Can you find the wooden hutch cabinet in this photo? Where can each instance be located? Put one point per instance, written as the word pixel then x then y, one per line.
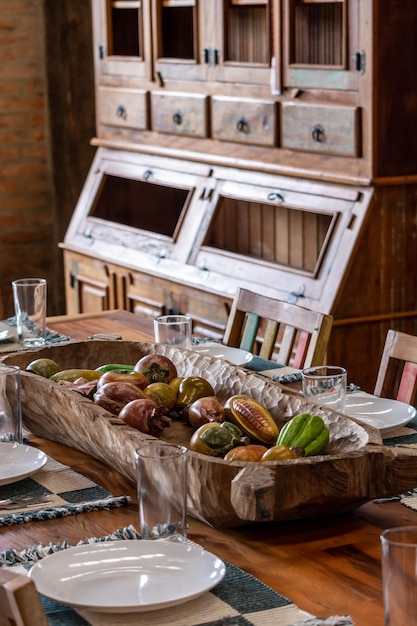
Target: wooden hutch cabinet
pixel 268 144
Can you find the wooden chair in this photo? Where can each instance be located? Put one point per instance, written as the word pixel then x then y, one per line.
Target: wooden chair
pixel 397 374
pixel 20 604
pixel 292 335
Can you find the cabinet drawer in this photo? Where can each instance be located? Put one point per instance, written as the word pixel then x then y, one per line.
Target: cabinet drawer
pixel 327 129
pixel 125 108
pixel 181 114
pixel 245 121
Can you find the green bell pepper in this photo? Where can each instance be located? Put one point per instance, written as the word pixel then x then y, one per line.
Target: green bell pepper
pixel 306 432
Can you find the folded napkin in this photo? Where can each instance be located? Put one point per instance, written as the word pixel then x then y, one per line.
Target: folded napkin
pixel 285 376
pixel 238 599
pixel 66 492
pixel 274 371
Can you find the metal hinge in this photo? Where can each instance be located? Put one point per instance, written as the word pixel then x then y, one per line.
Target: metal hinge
pixel 211 56
pixel 360 61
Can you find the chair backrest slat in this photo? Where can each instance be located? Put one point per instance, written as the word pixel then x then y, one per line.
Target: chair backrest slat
pixel 286 344
pixel 397 374
pixel 289 333
pixel 408 385
pixel 269 339
pixel 302 349
pixel 249 332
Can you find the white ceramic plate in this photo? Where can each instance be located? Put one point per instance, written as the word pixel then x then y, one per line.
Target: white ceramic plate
pixel 128 575
pixel 237 356
pixel 18 461
pixel 382 413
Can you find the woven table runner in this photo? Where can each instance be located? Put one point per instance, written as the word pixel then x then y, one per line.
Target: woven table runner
pixel 259 365
pixel 405 436
pixel 12 345
pixel 238 600
pixel 62 492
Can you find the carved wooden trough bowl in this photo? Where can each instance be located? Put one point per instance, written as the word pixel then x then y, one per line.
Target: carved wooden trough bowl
pixel 356 467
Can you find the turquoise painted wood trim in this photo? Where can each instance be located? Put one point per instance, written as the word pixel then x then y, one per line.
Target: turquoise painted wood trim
pixel 249 332
pixel 322 79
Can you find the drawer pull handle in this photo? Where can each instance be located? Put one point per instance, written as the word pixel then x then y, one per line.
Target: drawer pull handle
pixel 276 196
pixel 318 133
pixel 121 112
pixel 242 125
pixel 177 118
pixel 147 174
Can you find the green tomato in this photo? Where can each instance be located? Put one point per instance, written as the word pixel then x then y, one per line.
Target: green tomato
pixel 192 388
pixel 43 367
pixel 216 439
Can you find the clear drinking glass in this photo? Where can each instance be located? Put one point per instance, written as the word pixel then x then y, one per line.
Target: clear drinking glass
pixel 173 330
pixel 326 385
pixel 10 404
pixel 161 470
pixel 30 308
pixel 399 575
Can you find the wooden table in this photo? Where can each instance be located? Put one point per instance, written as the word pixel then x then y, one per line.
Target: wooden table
pixel 326 566
pixel 118 322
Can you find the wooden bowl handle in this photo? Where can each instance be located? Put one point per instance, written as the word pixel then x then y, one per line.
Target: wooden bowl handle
pixel 252 493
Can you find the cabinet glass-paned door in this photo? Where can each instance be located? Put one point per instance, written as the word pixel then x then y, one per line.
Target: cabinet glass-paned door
pixel 319 34
pixel 247 37
pixel 126 29
pixel 320 43
pixel 245 50
pixel 179 30
pixel 122 35
pixel 214 40
pixel 178 18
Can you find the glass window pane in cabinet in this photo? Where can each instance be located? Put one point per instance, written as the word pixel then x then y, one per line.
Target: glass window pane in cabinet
pixel 125 32
pixel 274 234
pixel 247 33
pixel 177 29
pixel 319 34
pixel 143 205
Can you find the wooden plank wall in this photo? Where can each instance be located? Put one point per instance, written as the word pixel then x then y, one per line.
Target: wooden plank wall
pixel 380 290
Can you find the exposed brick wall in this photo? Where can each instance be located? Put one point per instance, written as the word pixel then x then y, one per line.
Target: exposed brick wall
pixel 26 201
pixel 38 94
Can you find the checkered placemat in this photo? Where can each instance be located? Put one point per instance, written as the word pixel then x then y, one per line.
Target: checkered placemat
pixel 405 435
pixel 63 492
pixel 238 600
